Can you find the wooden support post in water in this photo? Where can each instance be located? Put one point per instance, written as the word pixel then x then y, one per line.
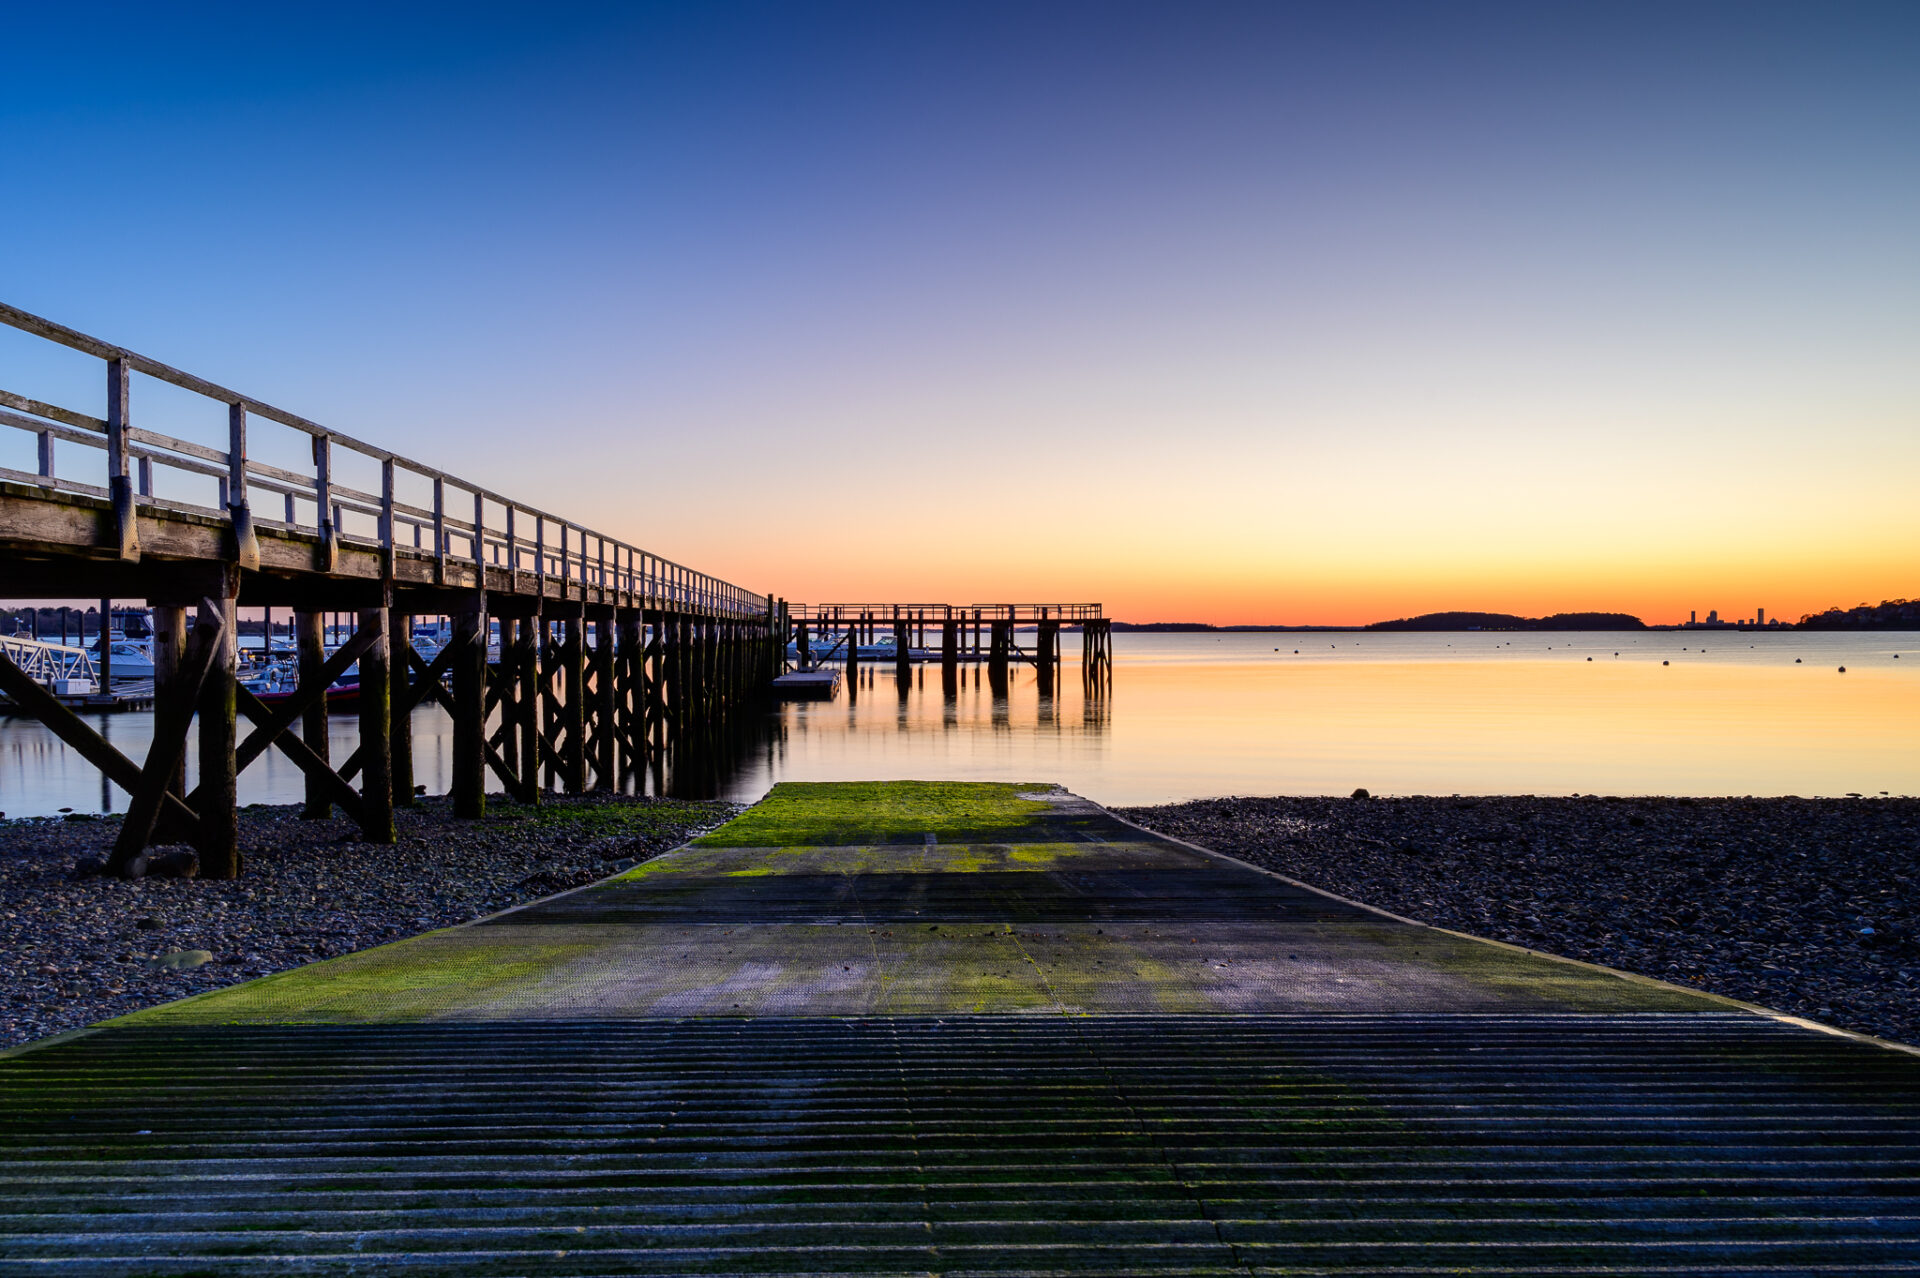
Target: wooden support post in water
pixel 169 647
pixel 1047 654
pixel 902 650
pixel 605 710
pixel 469 787
pixel 310 638
pixel 949 656
pixel 573 710
pixel 400 626
pixel 376 726
pixel 630 703
pixel 219 809
pixel 173 713
pixel 503 685
pixel 1001 639
pixel 527 665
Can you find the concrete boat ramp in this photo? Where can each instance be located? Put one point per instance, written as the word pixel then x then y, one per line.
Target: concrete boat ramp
pixel 952 1029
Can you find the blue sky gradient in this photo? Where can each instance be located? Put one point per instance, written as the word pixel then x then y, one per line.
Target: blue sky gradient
pixel 1244 312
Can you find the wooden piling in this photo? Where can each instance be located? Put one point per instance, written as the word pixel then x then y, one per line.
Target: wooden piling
pixel 169 647
pixel 219 808
pixel 603 711
pixel 629 667
pixel 528 668
pixel 376 726
pixel 469 782
pixel 310 641
pixel 573 707
pixel 400 727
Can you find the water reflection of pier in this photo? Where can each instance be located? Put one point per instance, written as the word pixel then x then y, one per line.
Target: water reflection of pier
pixel 916 726
pixel 969 635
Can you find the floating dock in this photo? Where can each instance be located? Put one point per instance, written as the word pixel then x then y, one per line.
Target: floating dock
pixel 954 1029
pixel 807 685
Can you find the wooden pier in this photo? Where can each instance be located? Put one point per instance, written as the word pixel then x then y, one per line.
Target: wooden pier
pixel 967 633
pixel 615 661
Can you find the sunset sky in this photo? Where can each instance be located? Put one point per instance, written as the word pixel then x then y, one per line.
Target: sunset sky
pixel 1236 313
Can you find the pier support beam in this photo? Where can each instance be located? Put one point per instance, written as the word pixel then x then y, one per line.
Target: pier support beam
pixel 310 642
pixel 527 671
pixel 376 727
pixel 573 704
pixel 1047 654
pixel 169 647
pixel 630 695
pixel 469 788
pixel 219 808
pixel 400 729
pixel 605 708
pixel 1000 651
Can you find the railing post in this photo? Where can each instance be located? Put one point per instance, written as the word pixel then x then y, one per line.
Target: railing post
pixel 246 546
pixel 46 455
pixel 513 554
pixel 323 501
pixel 387 526
pixel 440 531
pixel 119 487
pixel 540 555
pixel 479 542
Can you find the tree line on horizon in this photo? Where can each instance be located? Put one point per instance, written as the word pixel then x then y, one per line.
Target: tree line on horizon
pixel 1889 614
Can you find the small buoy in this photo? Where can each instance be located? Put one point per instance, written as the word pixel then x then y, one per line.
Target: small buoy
pixel 1843 669
pixel 1796 661
pixel 1663 663
pixel 1589 658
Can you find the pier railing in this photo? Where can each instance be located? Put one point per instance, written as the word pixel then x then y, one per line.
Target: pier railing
pixel 462 521
pixel 1020 613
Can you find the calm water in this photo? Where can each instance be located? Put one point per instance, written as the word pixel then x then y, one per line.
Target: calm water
pixel 1198 715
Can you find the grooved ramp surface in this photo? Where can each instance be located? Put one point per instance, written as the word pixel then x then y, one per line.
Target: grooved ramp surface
pixel 559 1090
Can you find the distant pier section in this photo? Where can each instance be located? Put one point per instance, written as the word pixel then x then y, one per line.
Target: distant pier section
pixel 900 634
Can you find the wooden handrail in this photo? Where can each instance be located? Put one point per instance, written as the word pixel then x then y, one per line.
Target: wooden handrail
pixel 583 558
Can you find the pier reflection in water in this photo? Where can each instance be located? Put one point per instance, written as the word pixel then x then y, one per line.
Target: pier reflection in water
pixel 1198 715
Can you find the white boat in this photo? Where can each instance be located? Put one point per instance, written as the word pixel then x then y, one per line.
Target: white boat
pixel 130 659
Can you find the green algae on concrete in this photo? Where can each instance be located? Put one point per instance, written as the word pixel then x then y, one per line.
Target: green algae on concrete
pixel 1115 922
pixel 845 813
pixel 417 979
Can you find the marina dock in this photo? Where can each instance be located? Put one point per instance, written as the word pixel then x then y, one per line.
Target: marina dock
pixel 917 1028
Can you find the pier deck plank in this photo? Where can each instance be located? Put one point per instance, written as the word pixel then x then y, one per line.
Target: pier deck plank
pixel 907 1028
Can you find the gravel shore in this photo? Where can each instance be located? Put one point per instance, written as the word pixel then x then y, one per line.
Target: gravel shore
pixel 1807 906
pixel 76 951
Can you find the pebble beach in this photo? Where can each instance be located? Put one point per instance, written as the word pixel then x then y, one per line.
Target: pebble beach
pixel 1805 906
